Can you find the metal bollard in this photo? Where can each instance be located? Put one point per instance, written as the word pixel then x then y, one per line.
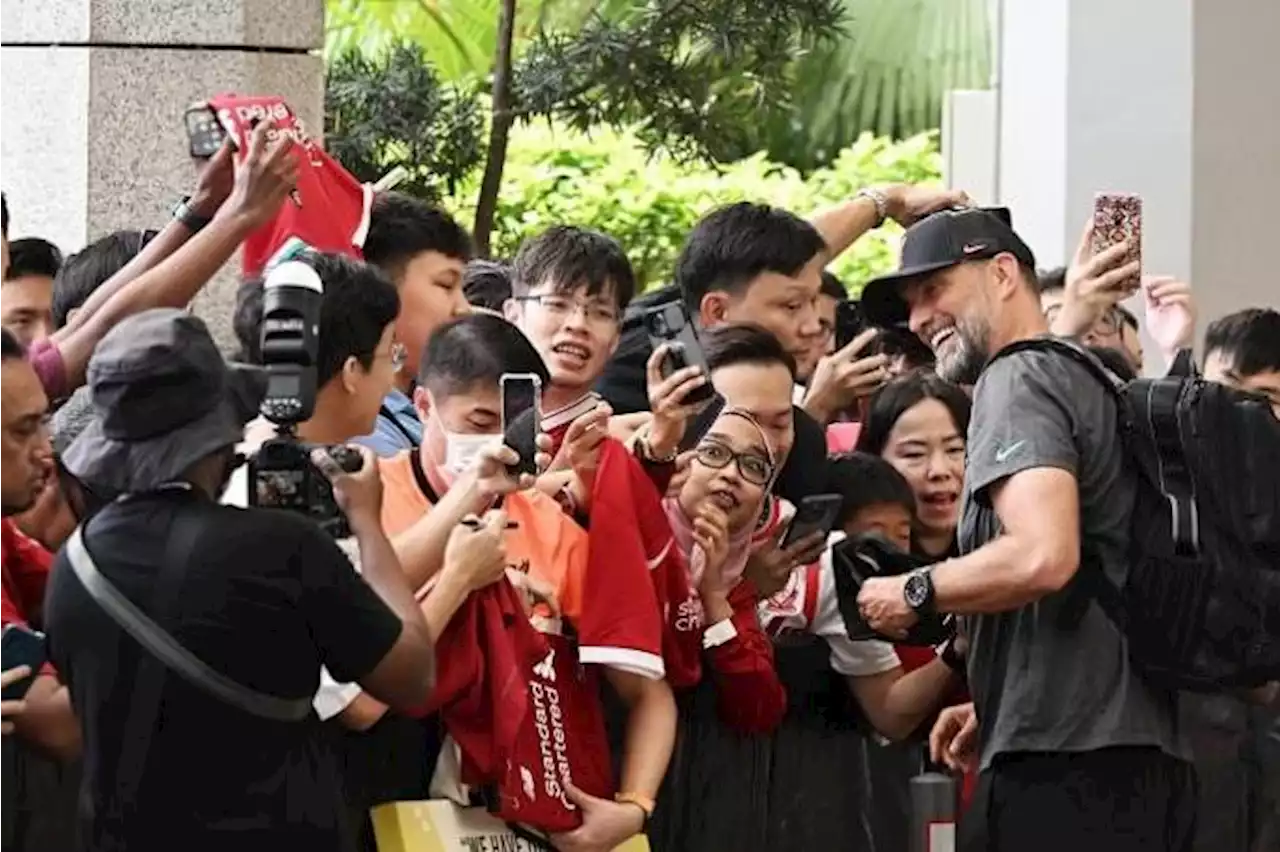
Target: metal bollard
pixel 934 797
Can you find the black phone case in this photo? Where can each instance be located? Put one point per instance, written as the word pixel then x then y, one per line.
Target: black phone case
pixel 20 647
pixel 809 520
pixel 685 352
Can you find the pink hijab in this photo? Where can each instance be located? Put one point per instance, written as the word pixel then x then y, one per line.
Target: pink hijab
pixel 739 541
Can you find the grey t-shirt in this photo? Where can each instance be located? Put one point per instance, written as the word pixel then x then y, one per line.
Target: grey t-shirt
pixel 1041 681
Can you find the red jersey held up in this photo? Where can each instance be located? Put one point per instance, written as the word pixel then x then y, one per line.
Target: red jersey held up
pixel 630 538
pixel 330 211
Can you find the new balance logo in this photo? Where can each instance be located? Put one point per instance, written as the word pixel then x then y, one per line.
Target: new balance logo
pixel 547 668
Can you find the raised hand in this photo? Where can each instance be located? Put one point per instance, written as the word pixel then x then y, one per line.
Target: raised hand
pixel 265 176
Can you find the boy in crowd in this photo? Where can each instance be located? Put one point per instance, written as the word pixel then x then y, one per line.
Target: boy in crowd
pixel 1243 350
pixel 422 250
pixel 487 285
pixel 26 296
pixel 459 470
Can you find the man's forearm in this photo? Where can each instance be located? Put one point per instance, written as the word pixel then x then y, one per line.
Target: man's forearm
pixel 421 547
pixel 49 722
pixel 651 731
pixel 1002 575
pixel 173 284
pixel 841 226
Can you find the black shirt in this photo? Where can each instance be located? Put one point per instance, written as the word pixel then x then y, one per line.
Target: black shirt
pixel 624 386
pixel 266 600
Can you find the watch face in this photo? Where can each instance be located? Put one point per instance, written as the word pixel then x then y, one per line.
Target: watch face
pixel 916 590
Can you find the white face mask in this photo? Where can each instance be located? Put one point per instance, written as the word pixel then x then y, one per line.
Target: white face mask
pixel 462 451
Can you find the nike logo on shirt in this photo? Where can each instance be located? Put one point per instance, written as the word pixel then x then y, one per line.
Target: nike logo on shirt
pixel 1003 453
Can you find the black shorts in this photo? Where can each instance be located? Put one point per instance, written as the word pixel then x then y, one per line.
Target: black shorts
pixel 1123 799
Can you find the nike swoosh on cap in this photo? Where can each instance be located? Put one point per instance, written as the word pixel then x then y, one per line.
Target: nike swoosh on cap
pixel 974 247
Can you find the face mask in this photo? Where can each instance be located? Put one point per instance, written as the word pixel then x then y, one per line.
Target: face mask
pixel 462 451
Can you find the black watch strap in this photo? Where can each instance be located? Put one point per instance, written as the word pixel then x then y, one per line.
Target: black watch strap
pixel 187 215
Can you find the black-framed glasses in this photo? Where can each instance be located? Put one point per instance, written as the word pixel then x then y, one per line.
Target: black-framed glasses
pixel 753 467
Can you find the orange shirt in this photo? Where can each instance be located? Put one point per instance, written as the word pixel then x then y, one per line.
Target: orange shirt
pixel 548 546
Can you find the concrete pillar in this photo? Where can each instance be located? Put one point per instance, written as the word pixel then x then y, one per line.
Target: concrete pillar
pixel 1172 99
pixel 92 96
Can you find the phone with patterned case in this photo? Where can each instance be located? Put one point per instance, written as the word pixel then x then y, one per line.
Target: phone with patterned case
pixel 1117 218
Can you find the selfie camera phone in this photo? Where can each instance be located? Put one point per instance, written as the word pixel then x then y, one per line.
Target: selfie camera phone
pixel 816 513
pixel 670 324
pixel 851 321
pixel 204 134
pixel 21 646
pixel 1117 218
pixel 521 418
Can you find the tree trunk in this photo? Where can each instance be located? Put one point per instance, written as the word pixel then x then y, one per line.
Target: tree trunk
pixel 499 131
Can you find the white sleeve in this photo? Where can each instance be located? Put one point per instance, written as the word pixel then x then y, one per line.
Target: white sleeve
pixel 849 658
pixel 333 697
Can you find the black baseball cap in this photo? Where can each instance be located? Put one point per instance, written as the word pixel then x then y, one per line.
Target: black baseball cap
pixel 936 242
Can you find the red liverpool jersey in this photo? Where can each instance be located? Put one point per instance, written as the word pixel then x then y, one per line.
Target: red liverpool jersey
pixel 330 209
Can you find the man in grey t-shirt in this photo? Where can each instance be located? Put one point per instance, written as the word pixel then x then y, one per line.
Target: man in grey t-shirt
pixel 1076 750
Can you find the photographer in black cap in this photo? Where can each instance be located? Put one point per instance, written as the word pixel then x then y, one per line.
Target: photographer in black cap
pixel 1076 750
pixel 259 599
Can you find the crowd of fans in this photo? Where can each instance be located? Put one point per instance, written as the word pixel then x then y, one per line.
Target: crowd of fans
pixel 709 692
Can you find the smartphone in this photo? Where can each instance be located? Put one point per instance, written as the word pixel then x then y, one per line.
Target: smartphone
pixel 670 324
pixel 851 321
pixel 816 513
pixel 21 646
pixel 204 134
pixel 522 418
pixel 700 424
pixel 1117 217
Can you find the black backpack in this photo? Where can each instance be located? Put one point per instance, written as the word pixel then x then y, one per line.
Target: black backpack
pixel 1200 607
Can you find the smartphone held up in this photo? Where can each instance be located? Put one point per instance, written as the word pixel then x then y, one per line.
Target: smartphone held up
pixel 522 418
pixel 1117 218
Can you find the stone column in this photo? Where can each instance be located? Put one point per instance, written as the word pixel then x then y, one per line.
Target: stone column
pixel 1172 99
pixel 92 96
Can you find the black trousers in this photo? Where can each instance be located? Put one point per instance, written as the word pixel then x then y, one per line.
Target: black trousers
pixel 1123 799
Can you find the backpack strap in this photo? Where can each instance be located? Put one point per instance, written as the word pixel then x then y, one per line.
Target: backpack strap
pixel 1094 584
pixel 1071 349
pixel 390 416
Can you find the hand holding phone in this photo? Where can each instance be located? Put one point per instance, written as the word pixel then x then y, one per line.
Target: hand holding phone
pixel 671 325
pixel 522 419
pixel 1117 218
pixel 21 646
pixel 205 134
pixel 816 513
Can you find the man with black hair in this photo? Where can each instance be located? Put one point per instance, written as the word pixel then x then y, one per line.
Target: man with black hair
pixel 26 295
pixel 93 266
pixel 569 289
pixel 752 263
pixel 1243 350
pixel 4 235
pixel 422 250
pixel 487 284
pixel 460 470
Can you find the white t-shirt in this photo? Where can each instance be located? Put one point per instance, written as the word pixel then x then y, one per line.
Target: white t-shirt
pixel 332 697
pixel 785 611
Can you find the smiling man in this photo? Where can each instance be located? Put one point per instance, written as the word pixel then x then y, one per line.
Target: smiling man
pixel 1076 750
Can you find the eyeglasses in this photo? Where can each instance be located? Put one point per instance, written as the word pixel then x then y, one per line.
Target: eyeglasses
pixel 754 468
pixel 562 307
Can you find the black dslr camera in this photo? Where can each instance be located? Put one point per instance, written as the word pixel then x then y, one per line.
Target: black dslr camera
pixel 281 473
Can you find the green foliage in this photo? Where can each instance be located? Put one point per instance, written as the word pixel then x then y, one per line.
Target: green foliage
pixel 608 181
pixel 394 111
pixel 887 75
pixel 684 76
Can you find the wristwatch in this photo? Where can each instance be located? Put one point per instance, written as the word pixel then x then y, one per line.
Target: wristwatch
pixel 187 215
pixel 919 591
pixel 880 200
pixel 646 452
